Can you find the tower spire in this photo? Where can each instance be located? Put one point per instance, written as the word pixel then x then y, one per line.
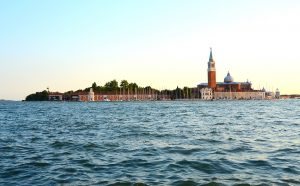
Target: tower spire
pixel 210 56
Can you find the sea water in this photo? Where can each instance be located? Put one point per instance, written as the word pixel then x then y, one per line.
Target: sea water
pixel 150 143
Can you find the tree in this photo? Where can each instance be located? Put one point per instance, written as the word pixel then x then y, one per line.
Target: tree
pixel 124 84
pixel 87 89
pixel 111 86
pixel 94 86
pixel 38 96
pixel 185 92
pixel 133 87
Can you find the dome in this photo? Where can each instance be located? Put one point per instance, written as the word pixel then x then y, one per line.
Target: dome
pixel 228 78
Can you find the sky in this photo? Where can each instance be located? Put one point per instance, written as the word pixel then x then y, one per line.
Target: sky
pixel 68 45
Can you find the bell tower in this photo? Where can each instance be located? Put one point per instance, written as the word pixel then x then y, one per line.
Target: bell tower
pixel 211 71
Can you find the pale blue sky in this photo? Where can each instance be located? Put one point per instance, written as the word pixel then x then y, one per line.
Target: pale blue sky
pixel 162 43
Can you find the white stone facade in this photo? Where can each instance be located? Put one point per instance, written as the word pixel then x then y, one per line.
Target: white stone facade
pixel 239 95
pixel 206 93
pixel 91 95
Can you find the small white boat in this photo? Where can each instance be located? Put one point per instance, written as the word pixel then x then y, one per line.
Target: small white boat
pixel 106 99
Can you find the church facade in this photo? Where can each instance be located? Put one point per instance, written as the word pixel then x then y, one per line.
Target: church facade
pixel 229 89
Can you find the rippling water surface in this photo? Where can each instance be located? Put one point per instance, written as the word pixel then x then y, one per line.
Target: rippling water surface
pixel 150 143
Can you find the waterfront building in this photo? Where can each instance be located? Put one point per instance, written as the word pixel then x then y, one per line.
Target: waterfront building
pixel 91 96
pixel 229 89
pixel 206 93
pixel 240 95
pixel 269 95
pixel 55 96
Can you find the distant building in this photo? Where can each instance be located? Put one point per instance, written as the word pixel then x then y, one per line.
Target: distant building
pixel 55 96
pixel 91 96
pixel 229 89
pixel 206 93
pixel 277 94
pixel 239 95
